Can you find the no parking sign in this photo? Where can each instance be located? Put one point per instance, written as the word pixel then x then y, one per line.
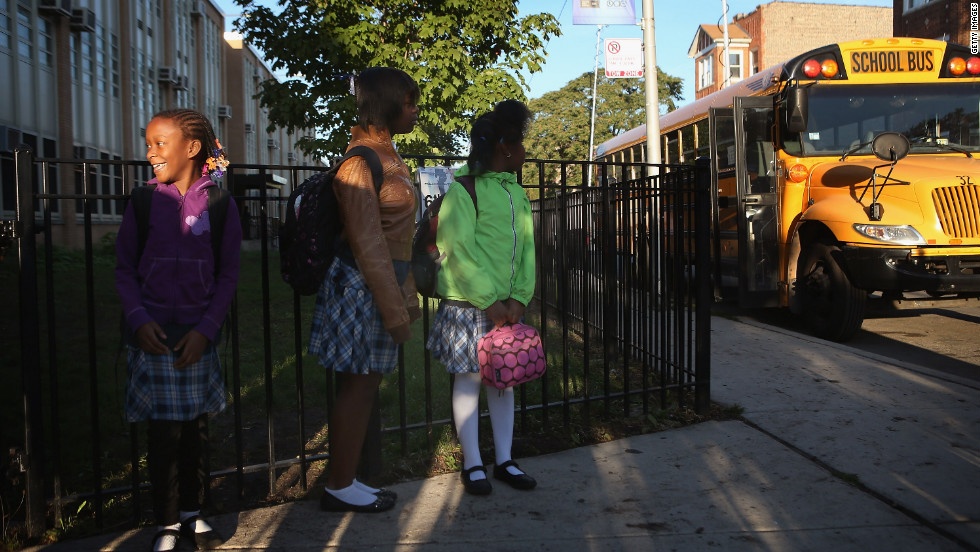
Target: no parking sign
pixel 624 57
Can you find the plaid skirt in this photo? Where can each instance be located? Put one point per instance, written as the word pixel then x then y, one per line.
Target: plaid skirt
pixel 348 334
pixel 155 390
pixel 456 332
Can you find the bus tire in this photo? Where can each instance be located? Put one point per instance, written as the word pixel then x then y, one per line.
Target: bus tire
pixel 832 307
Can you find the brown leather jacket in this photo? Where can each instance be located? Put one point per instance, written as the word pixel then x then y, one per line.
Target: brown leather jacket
pixel 379 231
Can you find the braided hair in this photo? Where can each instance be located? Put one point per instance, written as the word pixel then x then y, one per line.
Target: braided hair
pixel 506 124
pixel 195 126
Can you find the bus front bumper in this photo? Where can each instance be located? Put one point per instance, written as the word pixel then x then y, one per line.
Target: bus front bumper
pixel 897 270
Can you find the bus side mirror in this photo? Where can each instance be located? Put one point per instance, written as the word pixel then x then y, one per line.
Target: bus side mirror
pixel 796 109
pixel 890 146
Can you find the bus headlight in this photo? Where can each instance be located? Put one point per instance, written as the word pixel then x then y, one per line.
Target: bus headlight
pixel 899 235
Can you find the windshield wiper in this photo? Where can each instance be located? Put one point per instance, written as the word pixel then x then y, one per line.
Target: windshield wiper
pixel 924 140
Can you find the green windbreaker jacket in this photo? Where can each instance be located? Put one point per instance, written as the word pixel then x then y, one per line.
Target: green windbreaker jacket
pixel 490 255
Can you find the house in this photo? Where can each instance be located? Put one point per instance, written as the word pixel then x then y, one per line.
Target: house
pixel 947 20
pixel 775 32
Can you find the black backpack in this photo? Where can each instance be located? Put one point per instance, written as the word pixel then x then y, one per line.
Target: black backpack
pixel 308 239
pixel 425 269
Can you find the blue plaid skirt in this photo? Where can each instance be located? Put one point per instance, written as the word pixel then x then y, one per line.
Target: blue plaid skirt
pixel 456 332
pixel 348 334
pixel 155 390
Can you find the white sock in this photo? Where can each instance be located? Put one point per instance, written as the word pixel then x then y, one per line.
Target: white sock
pixel 466 404
pixel 167 542
pixel 353 495
pixel 501 404
pixel 200 526
pixel 366 488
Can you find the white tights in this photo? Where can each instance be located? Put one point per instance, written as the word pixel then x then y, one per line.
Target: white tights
pixel 466 402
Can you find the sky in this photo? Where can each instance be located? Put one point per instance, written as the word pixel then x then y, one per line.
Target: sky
pixel 675 23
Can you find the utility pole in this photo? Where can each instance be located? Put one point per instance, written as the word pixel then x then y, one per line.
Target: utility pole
pixel 727 60
pixel 652 94
pixel 595 83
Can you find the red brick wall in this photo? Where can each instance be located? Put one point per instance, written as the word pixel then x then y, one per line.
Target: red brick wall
pixel 934 20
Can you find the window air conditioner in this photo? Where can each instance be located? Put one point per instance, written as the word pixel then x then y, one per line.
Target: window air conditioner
pixel 197 8
pixel 249 128
pixel 62 7
pixel 290 157
pixel 83 20
pixel 182 83
pixel 224 111
pixel 271 143
pixel 167 74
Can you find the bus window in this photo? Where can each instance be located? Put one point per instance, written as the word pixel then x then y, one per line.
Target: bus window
pixel 687 145
pixel 673 149
pixel 703 140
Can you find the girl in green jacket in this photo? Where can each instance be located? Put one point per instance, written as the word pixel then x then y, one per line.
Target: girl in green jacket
pixel 487 279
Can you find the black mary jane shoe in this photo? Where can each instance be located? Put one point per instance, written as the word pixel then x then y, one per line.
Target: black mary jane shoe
pixel 330 503
pixel 521 481
pixel 478 487
pixel 165 533
pixel 387 494
pixel 207 540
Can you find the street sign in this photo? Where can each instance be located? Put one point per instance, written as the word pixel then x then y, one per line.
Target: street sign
pixel 624 57
pixel 603 12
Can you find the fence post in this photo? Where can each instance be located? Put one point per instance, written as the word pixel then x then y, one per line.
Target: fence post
pixel 702 280
pixel 32 461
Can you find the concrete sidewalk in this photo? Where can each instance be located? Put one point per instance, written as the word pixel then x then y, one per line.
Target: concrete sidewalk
pixel 840 451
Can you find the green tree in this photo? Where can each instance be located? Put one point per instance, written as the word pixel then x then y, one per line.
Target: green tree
pixel 465 55
pixel 562 118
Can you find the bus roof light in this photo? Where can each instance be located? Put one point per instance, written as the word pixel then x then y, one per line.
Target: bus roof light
pixel 973 65
pixel 828 68
pixel 811 68
pixel 957 66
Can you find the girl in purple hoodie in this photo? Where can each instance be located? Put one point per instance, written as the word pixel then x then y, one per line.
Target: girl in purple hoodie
pixel 175 297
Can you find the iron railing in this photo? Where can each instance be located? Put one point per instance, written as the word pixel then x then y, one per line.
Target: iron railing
pixel 622 301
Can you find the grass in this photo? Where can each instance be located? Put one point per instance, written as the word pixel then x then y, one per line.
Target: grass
pixel 84 387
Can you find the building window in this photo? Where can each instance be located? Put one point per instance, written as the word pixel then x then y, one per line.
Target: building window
pixel 705 78
pixel 735 66
pixel 114 53
pixel 46 42
pixel 101 64
pixel 753 62
pixel 5 24
pixel 25 39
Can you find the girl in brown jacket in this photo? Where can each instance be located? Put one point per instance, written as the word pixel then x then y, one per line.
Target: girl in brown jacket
pixel 367 300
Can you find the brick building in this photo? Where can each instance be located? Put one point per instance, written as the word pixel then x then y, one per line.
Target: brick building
pixel 947 20
pixel 775 32
pixel 80 79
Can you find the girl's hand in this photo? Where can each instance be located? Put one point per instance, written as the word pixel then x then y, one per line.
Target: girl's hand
pixel 497 313
pixel 191 347
pixel 515 310
pixel 150 336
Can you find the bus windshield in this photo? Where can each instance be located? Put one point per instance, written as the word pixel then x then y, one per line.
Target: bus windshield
pixel 936 118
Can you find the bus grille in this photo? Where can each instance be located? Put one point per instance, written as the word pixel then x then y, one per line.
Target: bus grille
pixel 958 208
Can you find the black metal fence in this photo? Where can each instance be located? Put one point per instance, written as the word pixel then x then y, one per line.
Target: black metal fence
pixel 622 300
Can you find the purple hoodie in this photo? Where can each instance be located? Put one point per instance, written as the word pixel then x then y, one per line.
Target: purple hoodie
pixel 175 281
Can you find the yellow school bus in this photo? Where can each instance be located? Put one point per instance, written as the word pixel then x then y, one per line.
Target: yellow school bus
pixel 851 169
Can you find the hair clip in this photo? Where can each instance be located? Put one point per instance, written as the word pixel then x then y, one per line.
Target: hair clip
pixel 215 165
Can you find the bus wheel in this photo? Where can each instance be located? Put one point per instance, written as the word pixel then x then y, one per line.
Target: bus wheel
pixel 832 307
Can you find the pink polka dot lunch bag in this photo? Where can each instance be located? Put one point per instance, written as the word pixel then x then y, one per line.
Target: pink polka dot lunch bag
pixel 510 355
